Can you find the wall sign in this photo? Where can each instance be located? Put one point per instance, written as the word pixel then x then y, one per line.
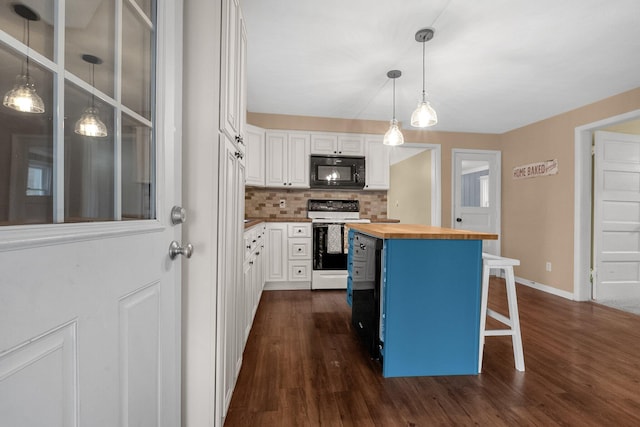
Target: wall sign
pixel 534 170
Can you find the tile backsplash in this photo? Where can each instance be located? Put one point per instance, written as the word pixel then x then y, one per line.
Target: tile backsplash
pixel 265 202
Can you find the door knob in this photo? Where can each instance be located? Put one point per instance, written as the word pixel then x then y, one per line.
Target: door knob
pixel 175 249
pixel 458 219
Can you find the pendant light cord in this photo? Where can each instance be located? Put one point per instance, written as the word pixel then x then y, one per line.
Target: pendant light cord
pixel 25 36
pixel 423 72
pixel 93 84
pixel 394 98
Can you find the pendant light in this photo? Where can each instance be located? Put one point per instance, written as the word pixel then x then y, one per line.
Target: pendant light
pixel 424 116
pixel 23 97
pixel 393 135
pixel 89 123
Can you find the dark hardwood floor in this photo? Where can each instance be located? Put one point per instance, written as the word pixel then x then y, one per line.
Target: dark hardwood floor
pixel 303 366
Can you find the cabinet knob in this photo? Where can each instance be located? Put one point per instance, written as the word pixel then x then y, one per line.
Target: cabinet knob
pixel 299 271
pixel 299 249
pixel 250 262
pixel 257 253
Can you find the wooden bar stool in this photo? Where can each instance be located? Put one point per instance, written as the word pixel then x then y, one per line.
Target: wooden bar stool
pixel 513 321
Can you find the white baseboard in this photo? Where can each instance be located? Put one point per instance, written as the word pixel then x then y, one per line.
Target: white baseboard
pixel 287 286
pixel 545 288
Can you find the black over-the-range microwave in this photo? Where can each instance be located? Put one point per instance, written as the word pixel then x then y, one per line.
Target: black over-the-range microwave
pixel 341 172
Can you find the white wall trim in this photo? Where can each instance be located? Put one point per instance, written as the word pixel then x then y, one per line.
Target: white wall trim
pixel 545 288
pixel 582 202
pixel 287 286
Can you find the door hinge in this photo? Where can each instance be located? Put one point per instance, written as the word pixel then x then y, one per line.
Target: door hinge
pixel 592 275
pixel 593 150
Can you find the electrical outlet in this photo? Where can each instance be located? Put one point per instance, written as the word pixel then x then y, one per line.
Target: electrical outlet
pixel 283 203
pixel 548 266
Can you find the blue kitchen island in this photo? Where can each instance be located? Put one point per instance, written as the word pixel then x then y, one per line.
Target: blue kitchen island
pixel 415 295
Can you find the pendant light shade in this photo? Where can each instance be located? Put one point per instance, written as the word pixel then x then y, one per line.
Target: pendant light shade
pixel 393 135
pixel 89 123
pixel 23 97
pixel 424 116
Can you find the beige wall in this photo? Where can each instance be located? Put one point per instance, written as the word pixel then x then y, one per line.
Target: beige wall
pixel 411 204
pixel 538 213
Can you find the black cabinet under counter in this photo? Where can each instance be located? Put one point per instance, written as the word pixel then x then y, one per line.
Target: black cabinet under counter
pixel 364 279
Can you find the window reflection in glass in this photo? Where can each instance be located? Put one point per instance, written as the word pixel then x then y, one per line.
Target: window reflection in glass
pixel 137 68
pixel 26 144
pixel 40 31
pixel 91 32
pixel 475 183
pixel 146 6
pixel 137 171
pixel 88 162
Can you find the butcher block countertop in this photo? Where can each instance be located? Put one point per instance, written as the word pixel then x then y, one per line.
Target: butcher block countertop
pixel 417 231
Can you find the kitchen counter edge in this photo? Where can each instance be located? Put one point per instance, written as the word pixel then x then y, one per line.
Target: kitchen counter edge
pixel 418 231
pixel 251 222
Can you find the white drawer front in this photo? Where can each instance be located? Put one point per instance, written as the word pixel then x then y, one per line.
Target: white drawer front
pixel 300 271
pixel 299 230
pixel 299 248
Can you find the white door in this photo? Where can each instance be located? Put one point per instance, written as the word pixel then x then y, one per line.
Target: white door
pixel 89 297
pixel 476 193
pixel 616 216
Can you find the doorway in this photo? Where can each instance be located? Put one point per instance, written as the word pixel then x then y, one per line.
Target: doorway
pixel 616 195
pixel 583 198
pixel 476 184
pixel 420 202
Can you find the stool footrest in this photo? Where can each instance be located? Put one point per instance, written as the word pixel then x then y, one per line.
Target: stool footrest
pixel 499 317
pixel 498 332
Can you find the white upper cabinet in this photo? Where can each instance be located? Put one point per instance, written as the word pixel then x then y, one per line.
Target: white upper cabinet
pixel 287 159
pixel 351 145
pixel 346 145
pixel 255 157
pixel 281 160
pixel 232 76
pixel 377 164
pixel 298 160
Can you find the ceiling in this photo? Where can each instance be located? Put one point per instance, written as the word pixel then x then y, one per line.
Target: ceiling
pixel 492 66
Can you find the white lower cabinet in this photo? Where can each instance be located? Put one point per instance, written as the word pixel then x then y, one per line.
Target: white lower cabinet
pixel 231 319
pixel 289 255
pixel 253 283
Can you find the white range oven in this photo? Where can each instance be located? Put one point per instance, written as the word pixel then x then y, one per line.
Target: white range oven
pixel 330 240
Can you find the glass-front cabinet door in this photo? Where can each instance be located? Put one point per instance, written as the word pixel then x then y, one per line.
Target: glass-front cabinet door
pixel 77 119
